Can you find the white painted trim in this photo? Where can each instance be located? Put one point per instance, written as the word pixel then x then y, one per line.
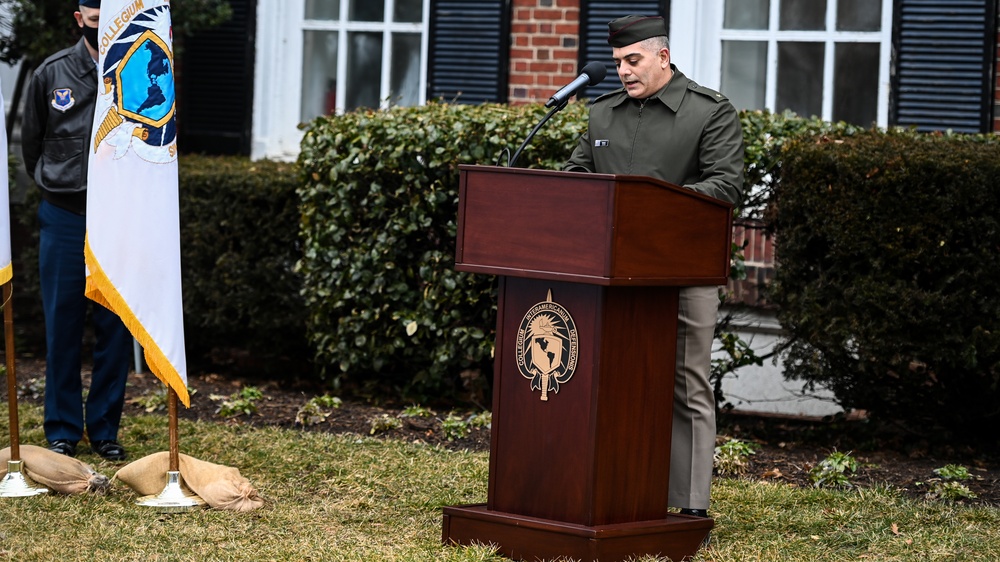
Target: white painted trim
pixel 695 52
pixel 275 111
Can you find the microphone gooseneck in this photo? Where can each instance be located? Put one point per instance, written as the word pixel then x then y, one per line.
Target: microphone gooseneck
pixel 591 75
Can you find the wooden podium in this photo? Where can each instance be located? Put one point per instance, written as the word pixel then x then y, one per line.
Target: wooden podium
pixel 589 266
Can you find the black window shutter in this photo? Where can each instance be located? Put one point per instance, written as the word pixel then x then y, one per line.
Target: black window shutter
pixel 594 18
pixel 216 89
pixel 469 51
pixel 943 65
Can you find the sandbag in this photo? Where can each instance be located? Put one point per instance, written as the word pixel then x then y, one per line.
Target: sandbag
pixel 148 475
pixel 222 487
pixel 56 472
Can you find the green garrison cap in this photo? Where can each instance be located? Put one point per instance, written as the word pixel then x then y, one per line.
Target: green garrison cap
pixel 632 29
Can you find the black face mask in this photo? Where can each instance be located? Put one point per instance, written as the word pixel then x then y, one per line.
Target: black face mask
pixel 90 34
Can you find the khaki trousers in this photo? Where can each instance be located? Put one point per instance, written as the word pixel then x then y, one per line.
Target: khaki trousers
pixel 692 442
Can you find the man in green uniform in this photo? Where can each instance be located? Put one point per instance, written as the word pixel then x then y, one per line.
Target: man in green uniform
pixel 663 125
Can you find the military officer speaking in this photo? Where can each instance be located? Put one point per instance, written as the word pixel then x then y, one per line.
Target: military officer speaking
pixel 663 125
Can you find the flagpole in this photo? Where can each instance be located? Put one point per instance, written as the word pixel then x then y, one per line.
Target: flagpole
pixel 175 464
pixel 173 498
pixel 14 484
pixel 8 330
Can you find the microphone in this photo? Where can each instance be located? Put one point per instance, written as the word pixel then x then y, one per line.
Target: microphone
pixel 591 75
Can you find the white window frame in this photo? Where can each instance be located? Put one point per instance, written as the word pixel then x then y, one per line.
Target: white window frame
pixel 277 101
pixel 697 34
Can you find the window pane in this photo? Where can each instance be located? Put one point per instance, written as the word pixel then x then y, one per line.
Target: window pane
pixel 746 14
pixel 859 15
pixel 367 10
pixel 364 70
pixel 803 14
pixel 744 73
pixel 319 74
pixel 404 88
pixel 855 88
pixel 409 11
pixel 322 9
pixel 800 78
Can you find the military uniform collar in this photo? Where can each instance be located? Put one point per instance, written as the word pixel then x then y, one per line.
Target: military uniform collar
pixel 670 95
pixel 81 58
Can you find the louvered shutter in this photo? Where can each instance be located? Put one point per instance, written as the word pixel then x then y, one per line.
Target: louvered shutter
pixel 594 18
pixel 469 51
pixel 216 90
pixel 944 65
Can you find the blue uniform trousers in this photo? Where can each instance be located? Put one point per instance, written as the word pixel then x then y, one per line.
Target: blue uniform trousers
pixel 63 278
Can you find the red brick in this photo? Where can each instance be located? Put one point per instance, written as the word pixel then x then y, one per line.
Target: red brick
pixel 547 15
pixel 522 14
pixel 545 67
pixel 545 41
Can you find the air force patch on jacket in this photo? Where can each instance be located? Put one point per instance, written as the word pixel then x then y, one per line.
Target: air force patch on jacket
pixel 136 102
pixel 62 99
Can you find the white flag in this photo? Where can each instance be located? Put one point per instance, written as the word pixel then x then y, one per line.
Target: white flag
pixel 133 223
pixel 6 269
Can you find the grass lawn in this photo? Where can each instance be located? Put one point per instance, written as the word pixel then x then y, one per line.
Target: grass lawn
pixel 342 497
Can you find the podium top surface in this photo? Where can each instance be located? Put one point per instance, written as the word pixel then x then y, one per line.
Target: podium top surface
pixel 590 228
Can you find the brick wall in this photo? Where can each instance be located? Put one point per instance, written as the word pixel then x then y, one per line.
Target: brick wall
pixel 544 45
pixel 759 258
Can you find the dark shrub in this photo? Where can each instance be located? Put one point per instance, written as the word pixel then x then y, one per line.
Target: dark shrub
pixel 887 248
pixel 239 246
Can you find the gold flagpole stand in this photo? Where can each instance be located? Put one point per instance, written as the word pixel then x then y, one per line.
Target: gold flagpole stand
pixel 172 499
pixel 14 484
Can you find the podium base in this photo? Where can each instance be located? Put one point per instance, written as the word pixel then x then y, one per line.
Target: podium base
pixel 519 537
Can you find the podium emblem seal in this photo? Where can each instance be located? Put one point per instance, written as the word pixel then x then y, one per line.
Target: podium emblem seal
pixel 547 346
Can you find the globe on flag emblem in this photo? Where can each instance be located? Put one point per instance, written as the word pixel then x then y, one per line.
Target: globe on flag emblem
pixel 136 107
pixel 147 83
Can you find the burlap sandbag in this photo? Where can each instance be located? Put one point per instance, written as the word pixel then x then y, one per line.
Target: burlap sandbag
pixel 148 475
pixel 56 472
pixel 222 487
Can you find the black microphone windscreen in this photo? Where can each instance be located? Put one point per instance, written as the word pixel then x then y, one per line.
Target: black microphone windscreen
pixel 596 71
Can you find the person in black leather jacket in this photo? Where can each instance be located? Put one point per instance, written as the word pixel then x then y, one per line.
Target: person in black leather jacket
pixel 56 145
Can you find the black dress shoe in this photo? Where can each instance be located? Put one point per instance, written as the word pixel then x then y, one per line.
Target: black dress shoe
pixel 109 450
pixel 63 447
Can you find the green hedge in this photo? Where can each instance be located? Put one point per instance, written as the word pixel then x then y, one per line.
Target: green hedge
pixel 387 310
pixel 239 247
pixel 887 245
pixel 379 204
pixel 764 136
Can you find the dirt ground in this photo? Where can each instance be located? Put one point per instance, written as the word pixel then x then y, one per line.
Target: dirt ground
pixel 787 448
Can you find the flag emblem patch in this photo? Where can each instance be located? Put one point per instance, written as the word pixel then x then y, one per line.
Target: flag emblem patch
pixel 137 102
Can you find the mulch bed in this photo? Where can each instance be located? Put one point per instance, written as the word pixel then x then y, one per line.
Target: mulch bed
pixel 788 448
